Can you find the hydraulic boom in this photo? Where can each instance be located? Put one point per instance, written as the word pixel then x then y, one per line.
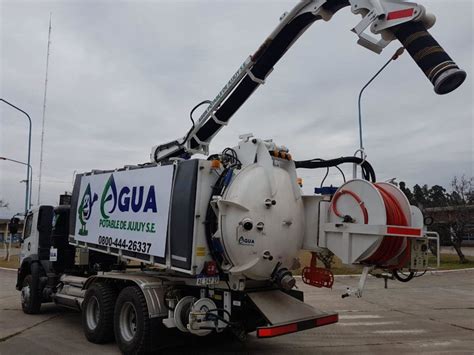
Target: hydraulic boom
pixel 388 19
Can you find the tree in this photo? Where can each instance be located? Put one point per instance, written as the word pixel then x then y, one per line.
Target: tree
pixel 456 204
pixel 462 195
pixel 437 196
pixel 420 196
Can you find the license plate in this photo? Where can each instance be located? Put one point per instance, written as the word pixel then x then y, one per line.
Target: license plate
pixel 207 280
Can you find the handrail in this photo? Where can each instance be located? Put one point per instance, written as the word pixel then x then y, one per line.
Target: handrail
pixel 435 237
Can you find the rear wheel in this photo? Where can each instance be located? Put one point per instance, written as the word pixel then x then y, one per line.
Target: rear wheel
pixel 132 324
pixel 98 313
pixel 30 296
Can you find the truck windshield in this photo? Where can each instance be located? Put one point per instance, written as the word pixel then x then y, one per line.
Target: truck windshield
pixel 28 224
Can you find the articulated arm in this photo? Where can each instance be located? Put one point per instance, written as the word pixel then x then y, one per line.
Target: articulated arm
pixel 408 22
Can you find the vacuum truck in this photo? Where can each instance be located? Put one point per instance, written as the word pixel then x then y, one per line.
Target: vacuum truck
pixel 208 245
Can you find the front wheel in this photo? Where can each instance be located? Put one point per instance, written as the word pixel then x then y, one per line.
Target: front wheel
pixel 132 326
pixel 30 296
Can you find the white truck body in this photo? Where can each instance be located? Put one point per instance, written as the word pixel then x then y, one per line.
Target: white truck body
pixel 217 239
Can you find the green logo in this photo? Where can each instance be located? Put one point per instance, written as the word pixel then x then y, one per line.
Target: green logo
pixel 85 209
pixel 109 197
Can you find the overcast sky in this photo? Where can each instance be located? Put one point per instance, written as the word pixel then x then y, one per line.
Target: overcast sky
pixel 124 75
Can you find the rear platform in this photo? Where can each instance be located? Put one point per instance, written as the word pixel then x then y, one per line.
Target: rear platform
pixel 285 314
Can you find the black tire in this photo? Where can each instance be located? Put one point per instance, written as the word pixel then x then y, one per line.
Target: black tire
pixel 132 325
pixel 30 296
pixel 98 313
pixel 402 277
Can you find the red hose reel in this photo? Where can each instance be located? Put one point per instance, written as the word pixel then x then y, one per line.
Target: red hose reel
pixel 359 202
pixel 390 247
pixel 393 252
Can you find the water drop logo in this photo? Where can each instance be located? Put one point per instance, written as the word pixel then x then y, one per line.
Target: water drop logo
pixel 85 209
pixel 108 201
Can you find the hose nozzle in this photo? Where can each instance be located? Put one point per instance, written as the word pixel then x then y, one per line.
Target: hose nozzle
pixel 432 59
pixel 449 80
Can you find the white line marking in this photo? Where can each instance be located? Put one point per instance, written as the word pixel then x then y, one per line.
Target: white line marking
pixel 367 323
pixel 438 343
pixel 359 316
pixel 400 331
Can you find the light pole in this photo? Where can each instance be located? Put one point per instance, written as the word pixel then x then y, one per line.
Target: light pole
pixel 28 183
pixel 395 56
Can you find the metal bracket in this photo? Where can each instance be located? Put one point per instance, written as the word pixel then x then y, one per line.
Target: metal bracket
pixel 381 15
pixel 351 291
pixel 366 40
pixel 227 308
pixel 218 121
pixel 245 137
pixel 254 78
pixel 200 142
pixel 364 156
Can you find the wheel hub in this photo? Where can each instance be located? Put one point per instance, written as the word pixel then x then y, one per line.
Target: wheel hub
pixel 93 313
pixel 128 321
pixel 25 295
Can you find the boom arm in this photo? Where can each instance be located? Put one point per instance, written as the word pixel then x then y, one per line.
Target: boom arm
pixel 408 22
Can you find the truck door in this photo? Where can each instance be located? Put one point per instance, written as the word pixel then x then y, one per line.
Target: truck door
pixel 29 244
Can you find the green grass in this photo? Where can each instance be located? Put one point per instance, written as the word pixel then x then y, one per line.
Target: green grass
pixel 448 262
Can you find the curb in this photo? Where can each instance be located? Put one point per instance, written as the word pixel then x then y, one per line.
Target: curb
pixel 454 270
pixel 7 269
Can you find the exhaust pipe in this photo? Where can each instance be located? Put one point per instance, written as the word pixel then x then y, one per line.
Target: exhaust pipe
pixel 437 65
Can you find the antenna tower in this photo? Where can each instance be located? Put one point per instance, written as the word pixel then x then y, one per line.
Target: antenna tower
pixel 44 111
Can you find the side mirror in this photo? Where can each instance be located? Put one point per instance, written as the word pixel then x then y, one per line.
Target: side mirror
pixel 14 225
pixel 45 219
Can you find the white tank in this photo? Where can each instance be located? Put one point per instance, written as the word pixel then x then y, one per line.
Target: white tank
pixel 261 219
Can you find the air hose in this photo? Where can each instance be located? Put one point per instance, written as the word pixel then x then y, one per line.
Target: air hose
pixel 356 197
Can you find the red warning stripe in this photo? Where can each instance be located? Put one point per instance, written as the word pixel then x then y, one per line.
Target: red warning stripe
pixel 275 331
pixel 416 232
pixel 268 332
pixel 327 320
pixel 399 14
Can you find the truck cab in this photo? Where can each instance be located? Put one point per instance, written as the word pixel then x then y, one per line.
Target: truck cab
pixel 46 255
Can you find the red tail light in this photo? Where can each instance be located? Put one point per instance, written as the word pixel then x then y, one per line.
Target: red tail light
pixel 273 331
pixel 210 268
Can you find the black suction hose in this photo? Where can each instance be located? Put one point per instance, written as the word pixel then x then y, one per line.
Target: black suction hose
pixel 432 59
pixel 367 170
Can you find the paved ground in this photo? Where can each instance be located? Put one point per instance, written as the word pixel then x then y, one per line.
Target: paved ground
pixel 433 314
pixel 3 250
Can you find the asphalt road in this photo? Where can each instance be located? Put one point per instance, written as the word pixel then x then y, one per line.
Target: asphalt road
pixel 433 314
